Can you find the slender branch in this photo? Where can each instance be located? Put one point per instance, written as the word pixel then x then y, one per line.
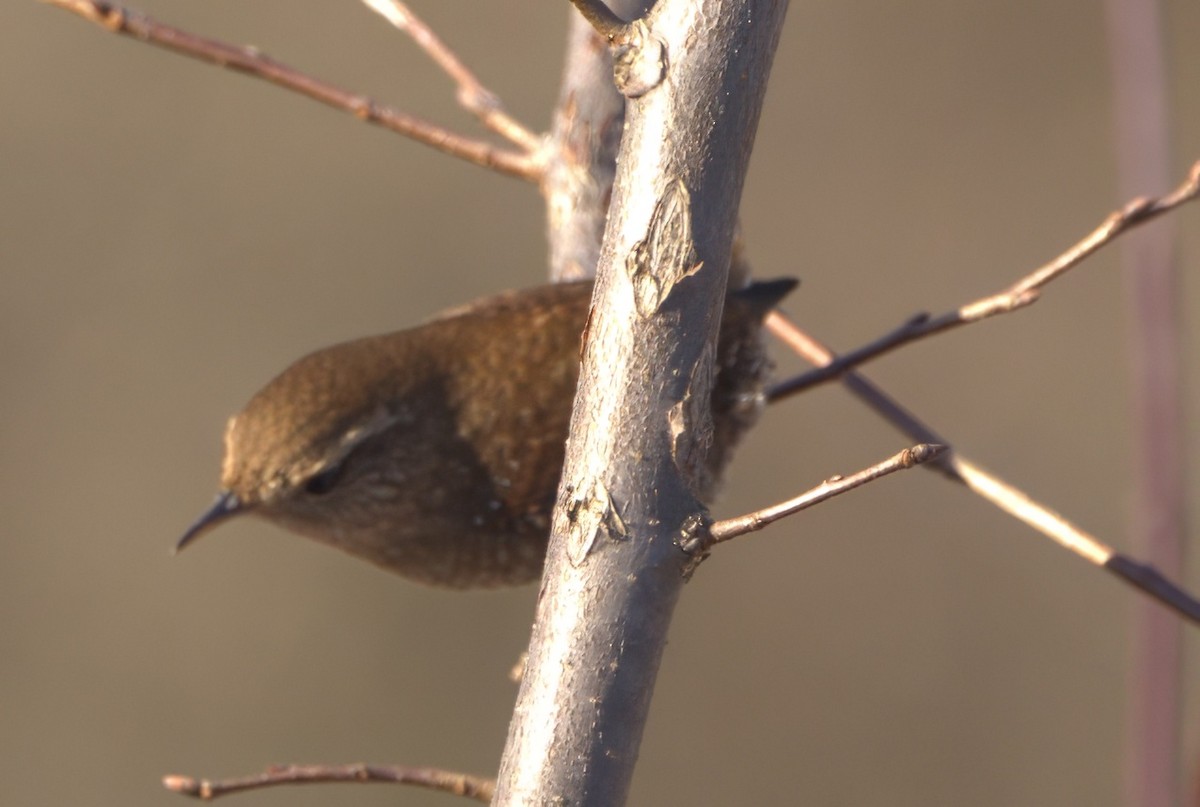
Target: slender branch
pixel 457 784
pixel 252 62
pixel 586 134
pixel 728 528
pixel 601 17
pixel 1022 293
pixel 474 97
pixel 995 490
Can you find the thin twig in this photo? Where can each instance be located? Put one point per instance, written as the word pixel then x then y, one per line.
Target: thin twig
pixel 474 97
pixel 1003 495
pixel 252 62
pixel 457 784
pixel 1022 293
pixel 728 528
pixel 601 17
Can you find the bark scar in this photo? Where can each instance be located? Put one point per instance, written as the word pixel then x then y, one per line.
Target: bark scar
pixel 639 61
pixel 590 516
pixel 689 424
pixel 667 254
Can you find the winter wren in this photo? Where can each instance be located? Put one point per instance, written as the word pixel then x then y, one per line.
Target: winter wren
pixel 435 452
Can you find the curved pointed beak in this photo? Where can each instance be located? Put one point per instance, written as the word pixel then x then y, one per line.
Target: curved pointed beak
pixel 226 506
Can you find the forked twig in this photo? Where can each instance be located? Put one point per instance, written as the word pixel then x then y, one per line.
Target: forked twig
pixel 252 62
pixel 458 784
pixel 474 97
pixel 990 487
pixel 728 528
pixel 1022 293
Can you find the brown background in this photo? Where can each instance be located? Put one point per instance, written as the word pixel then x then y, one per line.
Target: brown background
pixel 172 235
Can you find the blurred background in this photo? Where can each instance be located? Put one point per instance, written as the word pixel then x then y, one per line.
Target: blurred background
pixel 173 235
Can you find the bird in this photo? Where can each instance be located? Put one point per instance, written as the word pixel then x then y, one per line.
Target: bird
pixel 435 452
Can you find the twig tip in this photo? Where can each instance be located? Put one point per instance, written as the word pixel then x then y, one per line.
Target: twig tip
pixel 187 786
pixel 921 453
pixel 172 781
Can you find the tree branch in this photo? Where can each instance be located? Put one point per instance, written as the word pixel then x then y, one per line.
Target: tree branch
pixel 995 490
pixel 457 784
pixel 1024 292
pixel 614 569
pixel 472 95
pixel 252 62
pixel 728 528
pixel 582 158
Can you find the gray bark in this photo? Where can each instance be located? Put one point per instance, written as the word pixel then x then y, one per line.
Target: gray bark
pixel 587 129
pixel 698 69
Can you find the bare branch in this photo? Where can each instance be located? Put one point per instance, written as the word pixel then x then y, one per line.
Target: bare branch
pixel 250 61
pixel 601 17
pixel 1019 505
pixel 728 528
pixel 458 784
pixel 990 487
pixel 614 569
pixel 474 97
pixel 1022 293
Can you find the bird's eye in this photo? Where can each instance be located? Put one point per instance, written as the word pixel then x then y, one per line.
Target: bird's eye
pixel 323 481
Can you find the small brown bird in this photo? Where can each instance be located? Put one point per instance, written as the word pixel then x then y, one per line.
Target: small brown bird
pixel 435 452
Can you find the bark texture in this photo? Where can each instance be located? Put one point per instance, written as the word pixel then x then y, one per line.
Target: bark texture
pixel 695 74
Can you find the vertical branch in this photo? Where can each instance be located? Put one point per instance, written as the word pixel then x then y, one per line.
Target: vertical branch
pixel 585 136
pixel 695 72
pixel 1143 161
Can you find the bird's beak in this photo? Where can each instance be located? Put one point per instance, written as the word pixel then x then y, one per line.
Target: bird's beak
pixel 226 505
